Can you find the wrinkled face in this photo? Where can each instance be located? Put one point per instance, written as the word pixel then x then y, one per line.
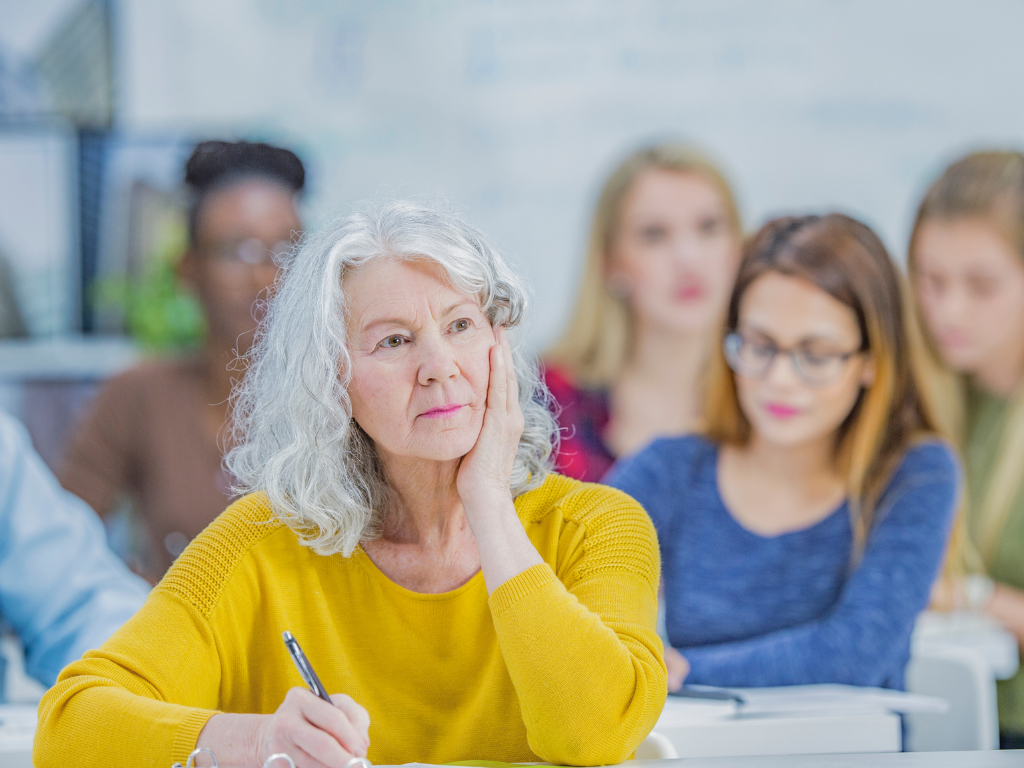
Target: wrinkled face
pixel 675 254
pixel 970 286
pixel 793 314
pixel 420 360
pixel 230 266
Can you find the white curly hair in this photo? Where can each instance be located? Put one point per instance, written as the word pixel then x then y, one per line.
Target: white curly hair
pixel 293 433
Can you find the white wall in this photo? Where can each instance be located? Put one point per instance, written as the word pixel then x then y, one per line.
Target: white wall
pixel 515 110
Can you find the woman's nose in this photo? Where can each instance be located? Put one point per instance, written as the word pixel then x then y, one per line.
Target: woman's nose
pixel 437 362
pixel 685 250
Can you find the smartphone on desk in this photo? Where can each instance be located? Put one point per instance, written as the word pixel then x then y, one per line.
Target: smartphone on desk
pixel 708 693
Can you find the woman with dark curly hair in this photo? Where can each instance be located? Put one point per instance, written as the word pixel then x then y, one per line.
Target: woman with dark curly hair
pixel 156 432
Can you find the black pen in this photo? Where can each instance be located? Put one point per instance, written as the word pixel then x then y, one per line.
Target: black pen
pixel 709 694
pixel 305 668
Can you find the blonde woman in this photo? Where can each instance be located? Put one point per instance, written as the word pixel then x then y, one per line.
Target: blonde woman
pixel 663 251
pixel 800 534
pixel 967 265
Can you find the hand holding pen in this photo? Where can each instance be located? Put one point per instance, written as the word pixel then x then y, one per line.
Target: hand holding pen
pixel 314 728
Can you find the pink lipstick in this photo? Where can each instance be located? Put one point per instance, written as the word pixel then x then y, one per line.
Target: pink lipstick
pixel 780 411
pixel 442 413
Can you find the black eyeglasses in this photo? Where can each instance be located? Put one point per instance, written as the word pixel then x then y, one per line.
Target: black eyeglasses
pixel 753 359
pixel 251 251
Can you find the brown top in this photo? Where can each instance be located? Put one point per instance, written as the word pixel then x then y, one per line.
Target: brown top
pixel 146 434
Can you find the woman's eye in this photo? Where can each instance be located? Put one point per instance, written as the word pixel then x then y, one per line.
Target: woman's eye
pixel 710 226
pixel 760 349
pixel 461 325
pixel 982 287
pixel 817 360
pixel 653 233
pixel 392 342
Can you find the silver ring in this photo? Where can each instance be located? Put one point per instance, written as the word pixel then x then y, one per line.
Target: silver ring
pixel 190 763
pixel 359 761
pixel 279 756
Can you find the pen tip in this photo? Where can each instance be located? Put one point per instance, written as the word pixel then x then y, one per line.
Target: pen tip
pixel 287 636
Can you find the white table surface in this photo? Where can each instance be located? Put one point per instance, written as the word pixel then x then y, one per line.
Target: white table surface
pixel 17 728
pixel 787 733
pixel 900 760
pixel 854 730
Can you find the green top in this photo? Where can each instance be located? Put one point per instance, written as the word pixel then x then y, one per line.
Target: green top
pixel 986 416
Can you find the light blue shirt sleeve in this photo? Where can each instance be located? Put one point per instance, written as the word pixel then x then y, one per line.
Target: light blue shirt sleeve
pixel 61 587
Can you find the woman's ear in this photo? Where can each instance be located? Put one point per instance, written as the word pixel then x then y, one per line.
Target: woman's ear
pixel 870 373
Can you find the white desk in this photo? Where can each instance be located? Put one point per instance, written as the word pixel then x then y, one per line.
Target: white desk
pixel 17 728
pixel 901 760
pixel 800 720
pixel 786 733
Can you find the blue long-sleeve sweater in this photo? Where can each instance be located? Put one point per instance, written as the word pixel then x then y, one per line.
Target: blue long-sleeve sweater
pixel 792 609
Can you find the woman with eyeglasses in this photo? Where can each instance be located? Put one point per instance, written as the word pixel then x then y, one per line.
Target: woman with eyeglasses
pixel 802 530
pixel 156 433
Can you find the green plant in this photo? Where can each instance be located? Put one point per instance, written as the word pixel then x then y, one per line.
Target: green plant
pixel 159 312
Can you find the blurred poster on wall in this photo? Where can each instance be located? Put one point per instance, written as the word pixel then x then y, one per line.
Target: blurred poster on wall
pixel 39 274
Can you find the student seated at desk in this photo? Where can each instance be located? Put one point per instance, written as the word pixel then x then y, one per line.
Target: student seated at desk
pixel 663 251
pixel 460 599
pixel 802 531
pixel 156 433
pixel 967 264
pixel 61 588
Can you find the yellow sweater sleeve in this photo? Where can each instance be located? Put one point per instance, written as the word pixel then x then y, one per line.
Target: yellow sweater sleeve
pixel 582 646
pixel 125 689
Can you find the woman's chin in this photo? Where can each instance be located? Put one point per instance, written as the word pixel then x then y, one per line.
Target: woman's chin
pixel 447 446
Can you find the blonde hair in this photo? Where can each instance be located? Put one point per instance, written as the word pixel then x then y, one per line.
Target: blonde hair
pixel 596 343
pixel 845 259
pixel 987 186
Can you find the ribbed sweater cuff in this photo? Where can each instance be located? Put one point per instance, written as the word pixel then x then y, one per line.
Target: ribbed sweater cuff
pixel 513 590
pixel 188 733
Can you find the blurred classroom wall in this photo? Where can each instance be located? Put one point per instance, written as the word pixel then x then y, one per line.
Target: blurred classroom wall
pixel 514 111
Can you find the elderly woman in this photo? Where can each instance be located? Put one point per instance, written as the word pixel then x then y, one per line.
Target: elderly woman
pixel 458 599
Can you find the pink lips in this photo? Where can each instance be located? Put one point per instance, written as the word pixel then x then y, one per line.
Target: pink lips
pixel 689 292
pixel 780 411
pixel 442 413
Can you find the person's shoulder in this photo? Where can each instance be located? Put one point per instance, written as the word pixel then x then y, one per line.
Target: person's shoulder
pixel 615 526
pixel 557 379
pixel 929 457
pixel 202 571
pixel 152 370
pixel 587 505
pixel 682 448
pixel 669 456
pixel 13 435
pixel 563 387
pixel 574 498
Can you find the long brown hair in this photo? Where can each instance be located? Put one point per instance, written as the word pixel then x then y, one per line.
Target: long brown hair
pixel 986 186
pixel 596 342
pixel 845 259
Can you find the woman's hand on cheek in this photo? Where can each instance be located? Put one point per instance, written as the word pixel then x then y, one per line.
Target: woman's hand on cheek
pixel 486 471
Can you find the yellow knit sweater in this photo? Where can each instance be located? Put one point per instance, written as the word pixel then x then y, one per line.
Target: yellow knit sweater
pixel 561 664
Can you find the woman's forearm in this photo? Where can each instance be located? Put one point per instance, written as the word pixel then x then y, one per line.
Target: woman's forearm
pixel 505 549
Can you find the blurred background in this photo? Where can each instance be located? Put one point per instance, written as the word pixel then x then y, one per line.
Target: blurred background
pixel 513 112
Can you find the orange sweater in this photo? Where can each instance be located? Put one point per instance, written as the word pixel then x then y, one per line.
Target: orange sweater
pixel 561 664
